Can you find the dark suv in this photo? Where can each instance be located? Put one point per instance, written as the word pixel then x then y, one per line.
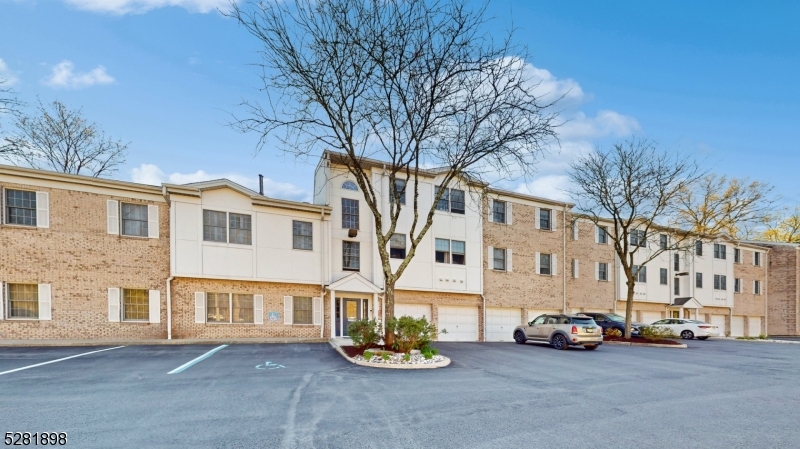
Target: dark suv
pixel 612 321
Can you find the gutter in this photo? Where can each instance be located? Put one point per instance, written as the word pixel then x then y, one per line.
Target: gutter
pixel 484 317
pixel 169 307
pixel 322 272
pixel 564 259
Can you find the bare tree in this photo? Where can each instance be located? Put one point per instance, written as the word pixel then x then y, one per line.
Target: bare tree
pixel 716 204
pixel 9 103
pixel 62 140
pixel 633 185
pixel 783 228
pixel 413 83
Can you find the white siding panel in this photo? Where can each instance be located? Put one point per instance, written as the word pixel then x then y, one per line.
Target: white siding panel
pixel 500 323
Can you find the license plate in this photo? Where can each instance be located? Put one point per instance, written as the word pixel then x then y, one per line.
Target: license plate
pixel 588 329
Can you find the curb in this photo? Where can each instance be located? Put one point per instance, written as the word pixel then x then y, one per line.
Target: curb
pixel 787 342
pixel 160 342
pixel 386 365
pixel 650 345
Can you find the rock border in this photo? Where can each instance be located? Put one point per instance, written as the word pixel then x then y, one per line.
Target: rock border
pixel 390 366
pixel 650 345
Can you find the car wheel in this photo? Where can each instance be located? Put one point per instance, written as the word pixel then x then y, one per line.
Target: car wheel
pixel 702 338
pixel 519 337
pixel 687 335
pixel 560 342
pixel 590 347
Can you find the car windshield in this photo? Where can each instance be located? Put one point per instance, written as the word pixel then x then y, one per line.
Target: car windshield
pixel 582 321
pixel 615 317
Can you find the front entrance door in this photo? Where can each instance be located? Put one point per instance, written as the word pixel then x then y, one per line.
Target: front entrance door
pixel 352 312
pixel 675 313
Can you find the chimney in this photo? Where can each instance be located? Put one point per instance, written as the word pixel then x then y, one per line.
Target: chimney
pixel 261 185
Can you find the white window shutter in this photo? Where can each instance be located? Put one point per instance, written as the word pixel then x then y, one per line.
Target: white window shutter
pixel 113 304
pixel 553 219
pixel 575 268
pixel 508 260
pixel 288 310
pixel 536 214
pixel 754 287
pixel 45 302
pixel 199 307
pixel 575 230
pixel 597 271
pixel 490 214
pixel 596 234
pixel 490 258
pixel 2 299
pixel 112 214
pixel 538 263
pixel 258 309
pixel 155 306
pixel 152 221
pixel 509 215
pixel 554 263
pixel 42 210
pixel 317 311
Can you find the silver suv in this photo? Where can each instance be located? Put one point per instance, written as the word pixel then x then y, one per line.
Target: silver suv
pixel 561 331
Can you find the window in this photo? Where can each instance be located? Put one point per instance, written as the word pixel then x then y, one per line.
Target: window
pixel 602 271
pixel 214 229
pixel 545 218
pixel 349 213
pixel 757 287
pixel 351 256
pixel 350 185
pixel 757 258
pixel 737 285
pixel 677 262
pixel 544 264
pixel 400 190
pixel 242 308
pixel 397 246
pixel 135 305
pixel 602 234
pixel 720 282
pixel 218 307
pixel 302 312
pixel 302 235
pixel 452 200
pixel 458 252
pixel 719 251
pixel 134 219
pixel 663 241
pixel 23 301
pixel 499 211
pixel 20 208
pixel 638 238
pixel 499 259
pixel 677 286
pixel 698 280
pixel 737 255
pixel 662 276
pixel 442 251
pixel 639 273
pixel 240 229
pixel 698 248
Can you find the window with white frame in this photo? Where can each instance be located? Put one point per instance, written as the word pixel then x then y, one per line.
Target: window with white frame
pixel 442 251
pixel 227 227
pixel 737 255
pixel 349 213
pixel 757 287
pixel 499 211
pixel 663 241
pixel 602 271
pixel 135 304
pixel 302 235
pixel 698 280
pixel 602 234
pixel 639 273
pixel 737 285
pixel 302 310
pixel 23 300
pixel 545 219
pixel 134 219
pixel 241 229
pixel 399 191
pixel 350 185
pixel 677 289
pixel 545 263
pixel 720 282
pixel 452 200
pixel 638 237
pixel 351 256
pixel 229 308
pixel 458 254
pixel 215 226
pixel 676 261
pixel 757 258
pixel 719 251
pixel 242 310
pixel 20 207
pixel 397 246
pixel 698 247
pixel 662 276
pixel 499 259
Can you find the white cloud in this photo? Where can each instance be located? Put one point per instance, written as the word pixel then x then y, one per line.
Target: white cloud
pixel 142 6
pixel 64 75
pixel 152 174
pixel 7 75
pixel 604 124
pixel 551 186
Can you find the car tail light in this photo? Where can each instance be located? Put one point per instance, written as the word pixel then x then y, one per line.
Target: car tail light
pixel 574 329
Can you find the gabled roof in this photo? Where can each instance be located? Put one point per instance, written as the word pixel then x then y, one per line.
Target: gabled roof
pixel 355 282
pixel 196 188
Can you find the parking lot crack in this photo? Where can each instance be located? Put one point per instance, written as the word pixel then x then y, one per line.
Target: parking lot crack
pixel 289 434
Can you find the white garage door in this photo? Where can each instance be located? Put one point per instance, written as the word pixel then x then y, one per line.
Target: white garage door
pixel 533 313
pixel 413 310
pixel 650 317
pixel 719 321
pixel 461 323
pixel 500 323
pixel 754 326
pixel 737 326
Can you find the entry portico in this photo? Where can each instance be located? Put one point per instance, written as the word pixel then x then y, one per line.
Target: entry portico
pixel 350 301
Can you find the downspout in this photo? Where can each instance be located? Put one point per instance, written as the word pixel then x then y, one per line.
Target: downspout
pixel 564 259
pixel 169 308
pixel 322 271
pixel 484 317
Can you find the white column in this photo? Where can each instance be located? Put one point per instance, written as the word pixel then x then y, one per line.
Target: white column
pixel 333 313
pixel 375 305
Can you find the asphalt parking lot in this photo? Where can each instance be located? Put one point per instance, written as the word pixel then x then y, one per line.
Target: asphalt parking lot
pixel 494 395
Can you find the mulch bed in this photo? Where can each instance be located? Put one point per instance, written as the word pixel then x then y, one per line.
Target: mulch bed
pixel 635 340
pixel 352 351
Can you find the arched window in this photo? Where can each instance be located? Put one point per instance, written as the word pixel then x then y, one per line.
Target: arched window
pixel 350 185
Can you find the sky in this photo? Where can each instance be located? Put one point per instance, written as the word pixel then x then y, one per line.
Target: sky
pixel 714 80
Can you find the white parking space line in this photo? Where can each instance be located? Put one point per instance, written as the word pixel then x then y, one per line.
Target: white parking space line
pixel 58 360
pixel 197 360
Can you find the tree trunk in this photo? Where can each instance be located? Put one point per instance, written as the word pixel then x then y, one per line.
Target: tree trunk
pixel 388 295
pixel 629 308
